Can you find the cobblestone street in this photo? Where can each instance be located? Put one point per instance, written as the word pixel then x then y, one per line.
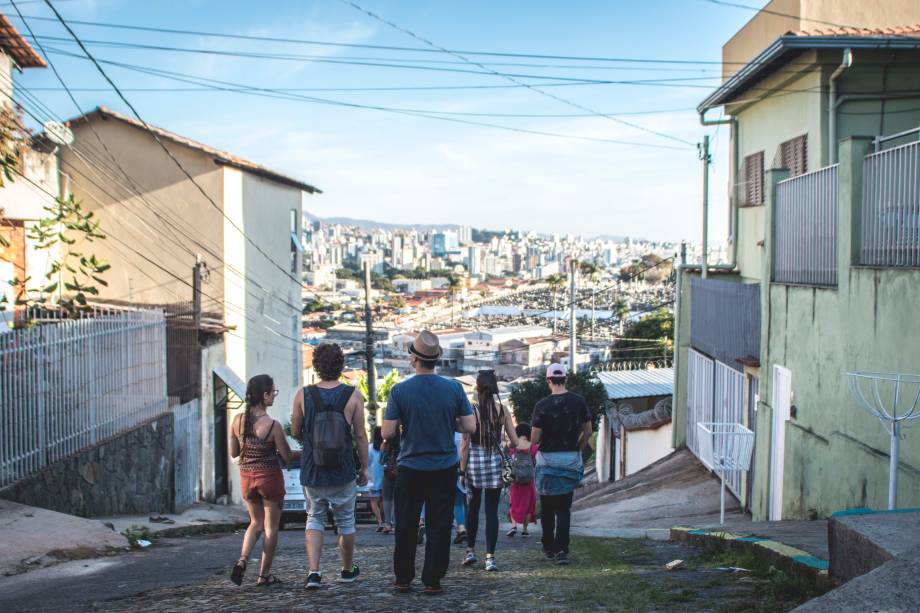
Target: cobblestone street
pixel 606 574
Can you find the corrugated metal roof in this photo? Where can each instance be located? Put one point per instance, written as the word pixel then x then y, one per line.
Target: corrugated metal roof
pixel 623 384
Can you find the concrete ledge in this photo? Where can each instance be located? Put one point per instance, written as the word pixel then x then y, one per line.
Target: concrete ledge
pixel 861 540
pixel 789 559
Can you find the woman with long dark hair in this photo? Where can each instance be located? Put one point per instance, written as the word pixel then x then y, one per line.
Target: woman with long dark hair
pixel 481 463
pixel 376 477
pixel 257 440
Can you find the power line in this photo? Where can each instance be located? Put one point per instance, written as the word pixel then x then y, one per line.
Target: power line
pixel 264 92
pixel 514 79
pixel 166 149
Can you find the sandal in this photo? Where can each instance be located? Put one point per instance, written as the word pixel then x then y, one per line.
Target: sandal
pixel 512 532
pixel 268 580
pixel 525 534
pixel 239 569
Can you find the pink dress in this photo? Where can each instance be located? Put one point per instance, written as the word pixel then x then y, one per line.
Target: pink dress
pixel 523 496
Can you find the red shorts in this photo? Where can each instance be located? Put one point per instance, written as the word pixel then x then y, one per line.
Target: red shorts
pixel 262 485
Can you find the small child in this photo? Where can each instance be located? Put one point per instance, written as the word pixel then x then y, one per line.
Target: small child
pixel 523 495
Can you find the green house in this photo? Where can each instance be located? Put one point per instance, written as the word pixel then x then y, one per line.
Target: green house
pixel 825 270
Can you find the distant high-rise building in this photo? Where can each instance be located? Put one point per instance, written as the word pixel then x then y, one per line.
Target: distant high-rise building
pixel 474 260
pixel 465 235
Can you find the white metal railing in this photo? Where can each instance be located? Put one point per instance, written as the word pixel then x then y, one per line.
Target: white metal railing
pixel 699 396
pixel 805 229
pixel 890 228
pixel 70 384
pixel 728 407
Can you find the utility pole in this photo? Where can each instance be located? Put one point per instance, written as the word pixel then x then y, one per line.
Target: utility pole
pixel 369 340
pixel 707 160
pixel 196 291
pixel 573 328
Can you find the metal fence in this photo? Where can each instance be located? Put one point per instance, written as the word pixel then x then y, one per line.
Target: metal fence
pixel 699 396
pixel 890 228
pixel 805 229
pixel 725 319
pixel 69 384
pixel 728 407
pixel 187 447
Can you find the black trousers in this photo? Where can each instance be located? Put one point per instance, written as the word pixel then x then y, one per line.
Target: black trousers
pixel 472 518
pixel 436 490
pixel 555 519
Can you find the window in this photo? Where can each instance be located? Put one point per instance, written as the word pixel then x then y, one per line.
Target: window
pixel 793 156
pixel 296 245
pixel 750 190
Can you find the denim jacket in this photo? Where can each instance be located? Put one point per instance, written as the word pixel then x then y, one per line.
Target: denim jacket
pixel 558 472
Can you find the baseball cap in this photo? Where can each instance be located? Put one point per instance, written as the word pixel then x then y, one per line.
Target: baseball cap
pixel 555 370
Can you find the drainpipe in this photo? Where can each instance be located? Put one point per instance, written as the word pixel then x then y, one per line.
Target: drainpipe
pixel 734 174
pixel 832 105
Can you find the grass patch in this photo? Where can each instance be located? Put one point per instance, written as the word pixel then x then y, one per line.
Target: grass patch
pixel 137 533
pixel 772 589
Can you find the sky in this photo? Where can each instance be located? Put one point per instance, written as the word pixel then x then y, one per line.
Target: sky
pixel 556 172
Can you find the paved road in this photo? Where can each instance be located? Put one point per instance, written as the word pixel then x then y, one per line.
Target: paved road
pixel 171 562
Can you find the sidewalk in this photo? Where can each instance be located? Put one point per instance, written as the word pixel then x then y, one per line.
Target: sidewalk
pixel 200 518
pixel 34 537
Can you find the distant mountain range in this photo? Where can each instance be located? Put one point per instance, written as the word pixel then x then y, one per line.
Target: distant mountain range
pixel 370 225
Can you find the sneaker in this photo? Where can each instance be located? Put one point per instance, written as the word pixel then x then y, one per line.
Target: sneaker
pixel 401 588
pixel 350 576
pixel 490 564
pixel 433 590
pixel 314 581
pixel 470 559
pixel 549 554
pixel 525 534
pixel 421 535
pixel 512 532
pixel 562 558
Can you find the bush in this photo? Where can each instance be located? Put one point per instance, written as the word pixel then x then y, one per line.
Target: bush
pixel 525 395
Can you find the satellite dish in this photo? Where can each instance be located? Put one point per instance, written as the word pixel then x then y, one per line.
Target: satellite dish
pixel 58 133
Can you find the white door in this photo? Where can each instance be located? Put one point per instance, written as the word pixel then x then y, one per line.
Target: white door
pixel 782 403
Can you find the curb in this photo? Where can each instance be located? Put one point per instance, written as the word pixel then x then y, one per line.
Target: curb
pixel 789 559
pixel 198 529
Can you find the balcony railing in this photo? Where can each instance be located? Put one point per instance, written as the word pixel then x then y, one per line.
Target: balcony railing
pixel 890 228
pixel 805 222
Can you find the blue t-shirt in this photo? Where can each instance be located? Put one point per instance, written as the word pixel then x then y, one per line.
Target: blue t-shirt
pixel 427 407
pixel 376 468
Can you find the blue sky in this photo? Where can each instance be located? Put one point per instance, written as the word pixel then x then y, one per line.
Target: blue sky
pixel 399 168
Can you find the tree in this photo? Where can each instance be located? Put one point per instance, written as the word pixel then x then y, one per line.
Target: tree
pixel 383 394
pixel 555 283
pixel 649 337
pixel 592 272
pixel 525 395
pixel 66 226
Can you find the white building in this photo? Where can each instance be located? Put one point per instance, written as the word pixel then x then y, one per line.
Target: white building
pixel 243 219
pixel 481 349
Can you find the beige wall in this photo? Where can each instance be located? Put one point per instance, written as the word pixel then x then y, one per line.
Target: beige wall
pixel 646 446
pixel 765 28
pixel 148 225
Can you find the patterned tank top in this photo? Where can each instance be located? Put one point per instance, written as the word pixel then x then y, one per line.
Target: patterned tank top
pixel 258 454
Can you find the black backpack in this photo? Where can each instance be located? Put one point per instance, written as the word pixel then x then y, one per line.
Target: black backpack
pixel 522 467
pixel 330 432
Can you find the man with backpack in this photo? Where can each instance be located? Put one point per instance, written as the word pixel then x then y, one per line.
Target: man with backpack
pixel 425 410
pixel 329 420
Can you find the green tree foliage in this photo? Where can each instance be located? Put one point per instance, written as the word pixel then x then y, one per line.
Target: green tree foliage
pixel 649 337
pixel 315 306
pixel 72 273
pixel 383 394
pixel 525 395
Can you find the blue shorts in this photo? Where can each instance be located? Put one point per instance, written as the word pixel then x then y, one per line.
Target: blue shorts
pixel 340 499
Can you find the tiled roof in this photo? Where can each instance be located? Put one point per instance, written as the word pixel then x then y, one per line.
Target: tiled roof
pixel 911 30
pixel 12 42
pixel 220 157
pixel 622 384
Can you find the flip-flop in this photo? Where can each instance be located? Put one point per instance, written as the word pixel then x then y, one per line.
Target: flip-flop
pixel 239 569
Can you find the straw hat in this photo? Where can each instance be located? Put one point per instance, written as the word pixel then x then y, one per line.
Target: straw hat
pixel 426 346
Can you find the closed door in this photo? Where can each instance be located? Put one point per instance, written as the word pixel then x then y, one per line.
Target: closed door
pixel 782 403
pixel 753 397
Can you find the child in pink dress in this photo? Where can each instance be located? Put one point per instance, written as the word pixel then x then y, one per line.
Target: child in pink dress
pixel 523 495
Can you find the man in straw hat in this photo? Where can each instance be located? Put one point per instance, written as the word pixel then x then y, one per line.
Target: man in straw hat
pixel 425 410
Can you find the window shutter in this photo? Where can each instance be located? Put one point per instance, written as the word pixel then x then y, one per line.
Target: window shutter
pixel 753 179
pixel 793 155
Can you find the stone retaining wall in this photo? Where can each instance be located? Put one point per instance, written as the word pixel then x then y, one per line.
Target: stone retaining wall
pixel 131 473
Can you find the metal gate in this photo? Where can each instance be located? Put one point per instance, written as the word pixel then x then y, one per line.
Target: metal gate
pixel 699 396
pixel 729 408
pixel 187 450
